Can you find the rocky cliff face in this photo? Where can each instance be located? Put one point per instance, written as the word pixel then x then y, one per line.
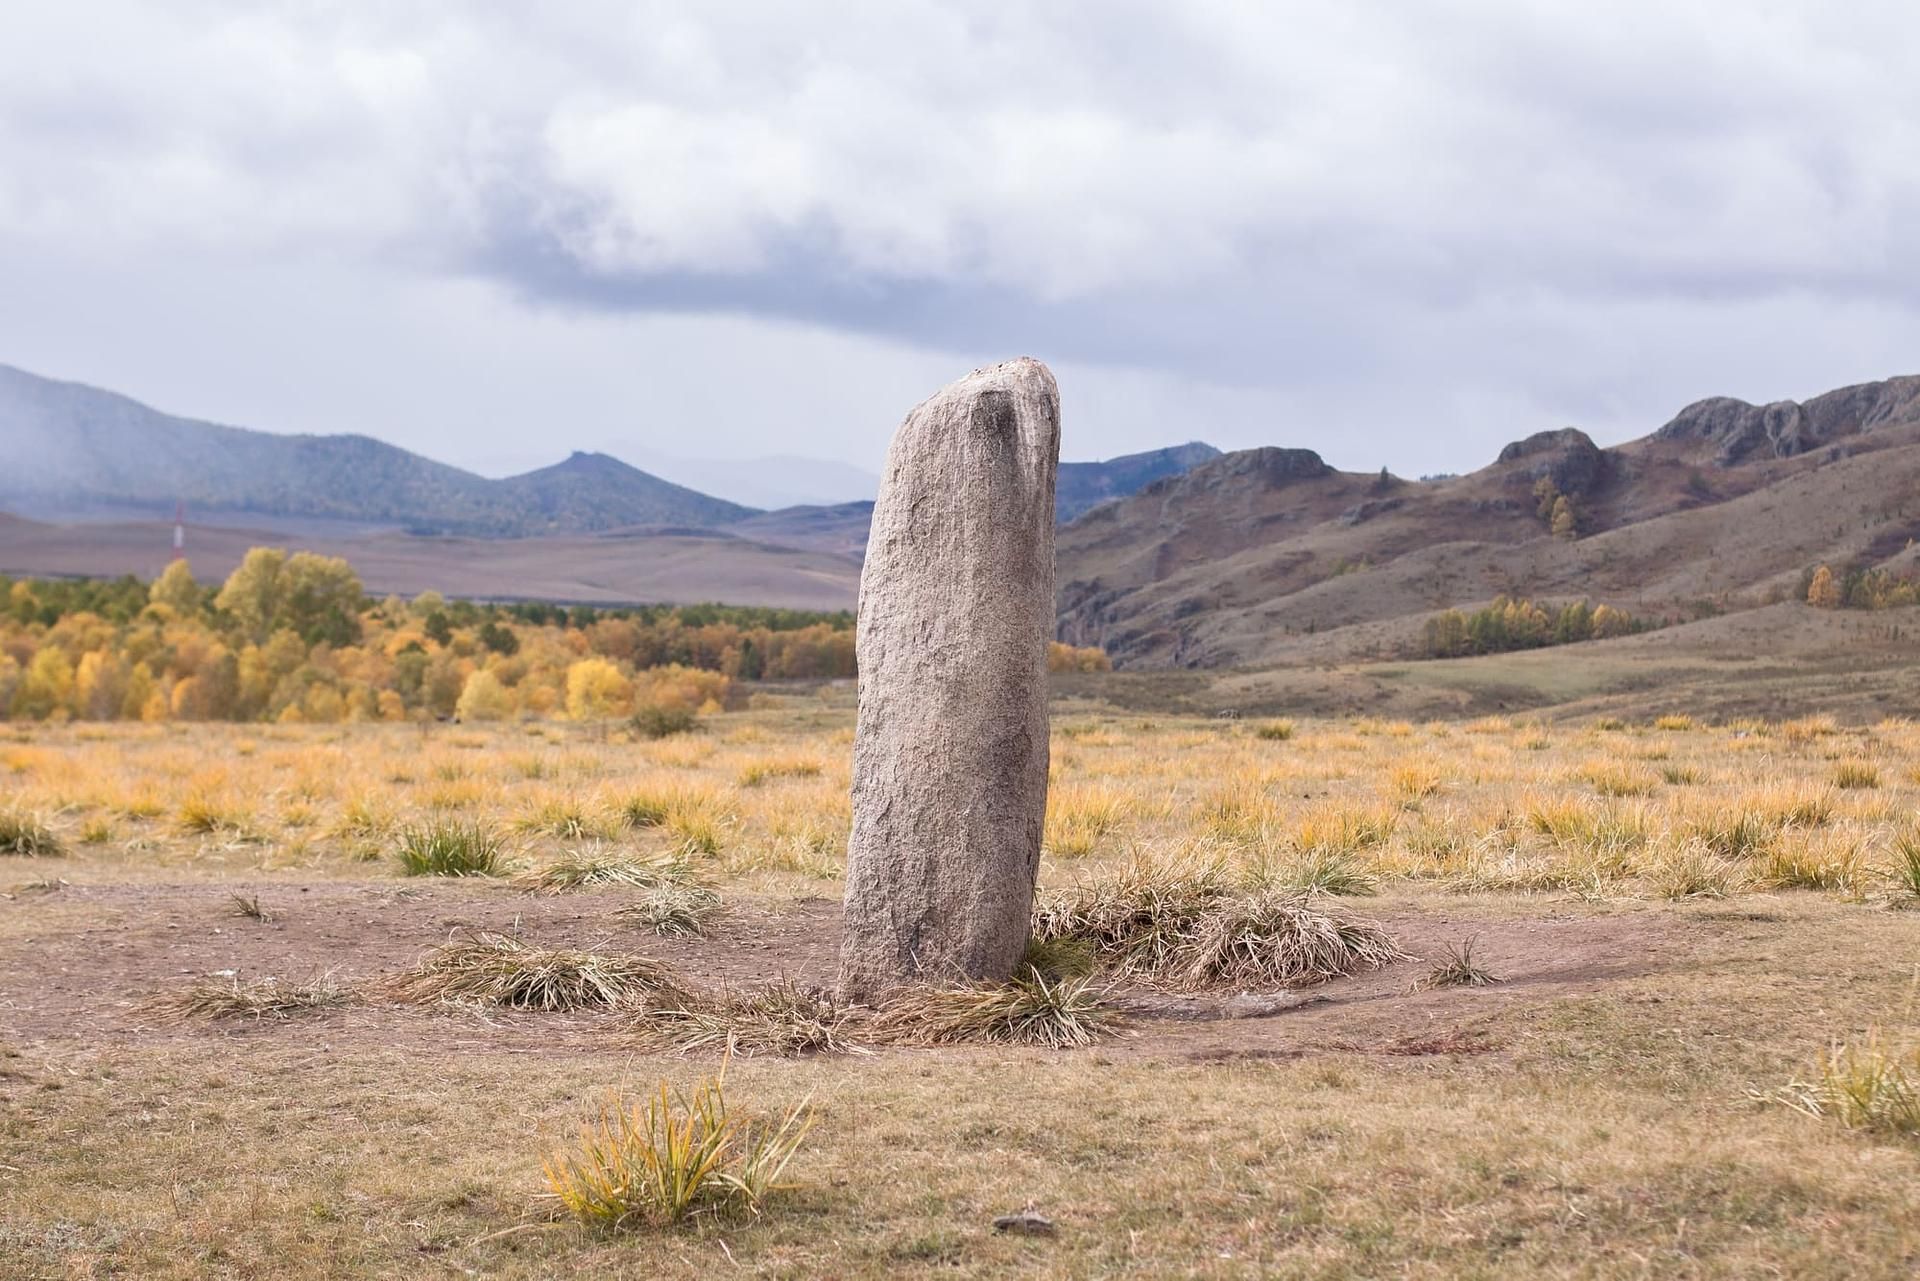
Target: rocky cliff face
pixel 1739 432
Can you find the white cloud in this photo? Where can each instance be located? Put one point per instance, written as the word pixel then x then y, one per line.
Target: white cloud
pixel 1447 222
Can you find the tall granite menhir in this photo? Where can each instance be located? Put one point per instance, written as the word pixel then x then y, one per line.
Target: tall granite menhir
pixel 950 757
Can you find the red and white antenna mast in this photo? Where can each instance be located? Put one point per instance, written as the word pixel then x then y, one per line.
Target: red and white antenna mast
pixel 179 531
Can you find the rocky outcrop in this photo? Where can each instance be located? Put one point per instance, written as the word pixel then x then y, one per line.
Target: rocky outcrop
pixel 1740 432
pixel 1568 457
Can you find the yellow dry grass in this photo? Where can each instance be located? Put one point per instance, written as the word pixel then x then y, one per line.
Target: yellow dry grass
pixel 1614 1134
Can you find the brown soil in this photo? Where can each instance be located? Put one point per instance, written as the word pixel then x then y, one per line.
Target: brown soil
pixel 80 967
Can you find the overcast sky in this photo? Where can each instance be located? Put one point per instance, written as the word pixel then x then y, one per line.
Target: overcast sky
pixel 1395 233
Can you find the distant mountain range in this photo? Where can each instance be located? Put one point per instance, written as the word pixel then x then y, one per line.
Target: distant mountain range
pixel 68 450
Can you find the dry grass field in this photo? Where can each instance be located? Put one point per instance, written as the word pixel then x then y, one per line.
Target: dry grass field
pixel 1689 942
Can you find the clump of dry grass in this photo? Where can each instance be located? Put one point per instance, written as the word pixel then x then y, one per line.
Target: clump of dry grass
pixel 1856 775
pixel 1457 969
pixel 1323 871
pixel 1693 871
pixel 672 908
pixel 780 1018
pixel 1872 1086
pixel 1060 958
pixel 568 819
pixel 1906 870
pixel 24 833
pixel 1182 922
pixel 596 865
pixel 1277 939
pixel 1834 864
pixel 230 997
pixel 487 968
pixel 248 905
pixel 206 813
pixel 678 1155
pixel 1137 921
pixel 1029 1010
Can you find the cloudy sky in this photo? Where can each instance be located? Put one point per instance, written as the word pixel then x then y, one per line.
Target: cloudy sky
pixel 1398 233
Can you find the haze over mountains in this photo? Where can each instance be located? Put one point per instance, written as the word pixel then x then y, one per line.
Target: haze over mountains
pixel 73 449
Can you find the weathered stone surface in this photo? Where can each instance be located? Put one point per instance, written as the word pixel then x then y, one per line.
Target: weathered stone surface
pixel 950 757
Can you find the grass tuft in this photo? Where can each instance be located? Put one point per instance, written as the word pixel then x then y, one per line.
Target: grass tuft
pixel 485 968
pixel 1850 776
pixel 1906 870
pixel 781 1019
pixel 672 908
pixel 450 847
pixel 1871 1086
pixel 248 905
pixel 1029 1010
pixel 678 1155
pixel 23 833
pixel 230 997
pixel 596 865
pixel 1180 923
pixel 1276 939
pixel 1457 969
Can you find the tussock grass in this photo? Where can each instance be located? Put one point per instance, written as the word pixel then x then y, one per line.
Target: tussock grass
pixel 1614 779
pixel 1079 820
pixel 1872 1086
pixel 1060 958
pixel 231 997
pixel 1343 830
pixel 1030 1010
pixel 780 1018
pixel 672 908
pixel 1674 723
pixel 25 834
pixel 596 865
pixel 1181 922
pixel 1906 870
pixel 450 847
pixel 1833 864
pixel 1457 968
pixel 758 772
pixel 487 968
pixel 1851 776
pixel 567 818
pixel 205 813
pixel 676 1156
pixel 1735 834
pixel 1276 939
pixel 1275 731
pixel 1321 871
pixel 96 831
pixel 1137 921
pixel 1693 870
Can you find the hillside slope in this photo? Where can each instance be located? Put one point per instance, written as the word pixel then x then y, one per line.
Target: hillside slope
pixel 69 444
pixel 1270 556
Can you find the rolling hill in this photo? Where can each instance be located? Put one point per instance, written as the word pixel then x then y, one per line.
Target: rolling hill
pixel 67 446
pixel 1270 556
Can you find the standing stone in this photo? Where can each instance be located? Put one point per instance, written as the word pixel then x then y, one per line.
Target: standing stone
pixel 950 757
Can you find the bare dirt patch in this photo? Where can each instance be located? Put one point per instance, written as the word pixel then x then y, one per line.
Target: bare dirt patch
pixel 87 962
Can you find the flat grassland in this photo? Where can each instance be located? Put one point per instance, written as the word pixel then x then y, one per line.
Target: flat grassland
pixel 1683 917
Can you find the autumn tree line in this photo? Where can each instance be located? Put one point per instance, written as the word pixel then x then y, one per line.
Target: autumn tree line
pixel 1858 587
pixel 1510 623
pixel 295 638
